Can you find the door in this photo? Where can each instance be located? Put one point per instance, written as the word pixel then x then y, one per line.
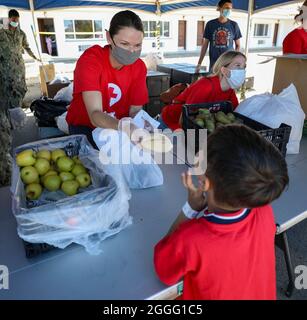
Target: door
pixel 200 32
pixel 182 34
pixel 47 36
pixel 276 28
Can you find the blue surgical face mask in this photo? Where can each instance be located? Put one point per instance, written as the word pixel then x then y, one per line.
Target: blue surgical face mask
pixel 226 13
pixel 236 78
pixel 14 24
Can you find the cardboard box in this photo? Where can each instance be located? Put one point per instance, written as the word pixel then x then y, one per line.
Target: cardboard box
pixel 52 89
pixel 47 74
pixel 292 69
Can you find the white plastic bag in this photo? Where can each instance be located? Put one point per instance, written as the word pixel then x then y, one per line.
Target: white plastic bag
pixel 65 94
pixel 94 214
pixel 59 79
pixel 18 117
pixel 62 123
pixel 273 110
pixel 118 153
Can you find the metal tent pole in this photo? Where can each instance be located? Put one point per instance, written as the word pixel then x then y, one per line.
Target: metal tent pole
pixel 249 26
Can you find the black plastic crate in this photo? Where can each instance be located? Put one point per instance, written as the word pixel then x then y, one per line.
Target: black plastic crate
pixel 35 249
pixel 279 136
pixel 154 106
pixel 187 75
pixel 157 82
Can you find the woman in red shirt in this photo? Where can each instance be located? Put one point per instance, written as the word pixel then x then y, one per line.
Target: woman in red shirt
pixel 228 74
pixel 110 81
pixel 296 41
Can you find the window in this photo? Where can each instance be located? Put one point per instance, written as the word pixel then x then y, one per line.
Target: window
pixel 83 29
pixel 150 29
pixel 261 30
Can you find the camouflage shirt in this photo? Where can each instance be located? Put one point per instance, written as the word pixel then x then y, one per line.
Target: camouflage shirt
pixel 12 68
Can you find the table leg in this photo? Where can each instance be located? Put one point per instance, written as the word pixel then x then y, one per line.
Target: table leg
pixel 281 241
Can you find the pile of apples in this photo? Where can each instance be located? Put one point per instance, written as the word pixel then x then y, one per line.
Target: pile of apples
pixel 51 170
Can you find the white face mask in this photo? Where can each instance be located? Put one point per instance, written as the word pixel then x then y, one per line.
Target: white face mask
pixel 237 78
pixel 14 24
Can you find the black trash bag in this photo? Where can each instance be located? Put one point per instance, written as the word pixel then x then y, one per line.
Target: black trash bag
pixel 45 110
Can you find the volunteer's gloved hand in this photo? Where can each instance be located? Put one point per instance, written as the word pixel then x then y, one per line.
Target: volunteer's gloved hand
pixel 133 132
pixel 18 117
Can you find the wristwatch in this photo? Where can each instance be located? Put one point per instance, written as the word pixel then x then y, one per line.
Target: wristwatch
pixel 189 212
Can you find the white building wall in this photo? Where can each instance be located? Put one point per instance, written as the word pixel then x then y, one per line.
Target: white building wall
pixel 70 48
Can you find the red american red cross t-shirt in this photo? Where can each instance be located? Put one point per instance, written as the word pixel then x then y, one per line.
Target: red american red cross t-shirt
pixel 119 88
pixel 203 90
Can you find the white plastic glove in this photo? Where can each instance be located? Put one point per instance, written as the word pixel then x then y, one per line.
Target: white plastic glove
pixel 133 132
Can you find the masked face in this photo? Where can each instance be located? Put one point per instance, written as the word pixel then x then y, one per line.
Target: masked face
pixel 124 56
pixel 14 22
pixel 126 45
pixel 226 10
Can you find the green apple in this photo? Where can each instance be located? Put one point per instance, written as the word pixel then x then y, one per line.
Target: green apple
pixel 26 158
pixel 66 176
pixel 33 191
pixel 28 175
pixel 45 154
pixel 84 180
pixel 70 188
pixel 57 153
pixel 49 173
pixel 65 164
pixel 76 160
pixel 42 166
pixel 78 169
pixel 52 182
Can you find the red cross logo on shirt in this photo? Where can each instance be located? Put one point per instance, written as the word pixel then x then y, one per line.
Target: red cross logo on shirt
pixel 115 93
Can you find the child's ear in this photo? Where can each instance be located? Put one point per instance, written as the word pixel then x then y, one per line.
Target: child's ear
pixel 207 185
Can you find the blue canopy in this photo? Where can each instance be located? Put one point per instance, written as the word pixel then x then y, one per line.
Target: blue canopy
pixel 145 5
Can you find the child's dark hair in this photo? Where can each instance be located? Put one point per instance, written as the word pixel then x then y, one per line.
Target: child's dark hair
pixel 245 170
pixel 124 19
pixel 222 2
pixel 13 13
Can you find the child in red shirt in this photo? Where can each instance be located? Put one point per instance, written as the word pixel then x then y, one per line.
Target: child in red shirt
pixel 296 41
pixel 228 252
pixel 228 74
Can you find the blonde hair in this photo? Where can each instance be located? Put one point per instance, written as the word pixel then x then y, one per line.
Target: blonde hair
pixel 224 60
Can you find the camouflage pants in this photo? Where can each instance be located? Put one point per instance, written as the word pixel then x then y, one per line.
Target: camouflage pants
pixel 5 148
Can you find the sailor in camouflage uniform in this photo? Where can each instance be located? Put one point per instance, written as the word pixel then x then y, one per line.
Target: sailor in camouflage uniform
pixel 13 42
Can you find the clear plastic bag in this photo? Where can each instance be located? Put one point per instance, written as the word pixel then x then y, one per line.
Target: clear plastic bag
pixel 95 213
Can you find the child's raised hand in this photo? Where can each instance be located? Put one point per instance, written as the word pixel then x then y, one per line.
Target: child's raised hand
pixel 196 197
